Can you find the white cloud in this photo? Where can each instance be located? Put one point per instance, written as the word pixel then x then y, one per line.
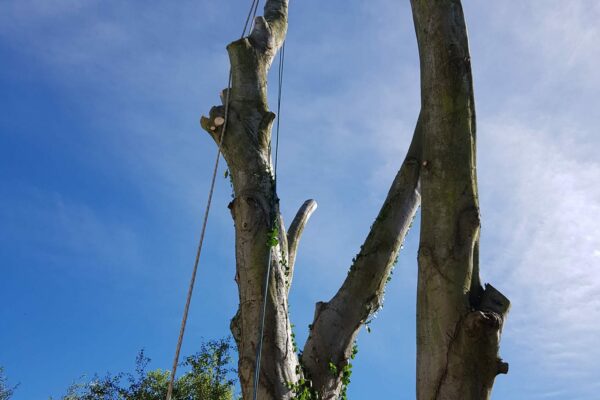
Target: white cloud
pixel 539 175
pixel 539 181
pixel 542 205
pixel 120 47
pixel 567 36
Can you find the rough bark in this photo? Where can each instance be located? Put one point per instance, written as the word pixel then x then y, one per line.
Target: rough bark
pixel 458 321
pixel 246 149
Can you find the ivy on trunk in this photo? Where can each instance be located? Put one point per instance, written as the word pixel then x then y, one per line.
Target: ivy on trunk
pixel 458 321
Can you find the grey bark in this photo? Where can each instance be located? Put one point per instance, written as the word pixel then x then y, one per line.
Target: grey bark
pixel 458 321
pixel 458 328
pixel 246 149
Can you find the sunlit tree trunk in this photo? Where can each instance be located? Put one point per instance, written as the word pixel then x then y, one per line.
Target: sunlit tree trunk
pixel 458 321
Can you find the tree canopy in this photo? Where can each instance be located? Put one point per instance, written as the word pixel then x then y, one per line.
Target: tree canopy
pixel 6 391
pixel 209 376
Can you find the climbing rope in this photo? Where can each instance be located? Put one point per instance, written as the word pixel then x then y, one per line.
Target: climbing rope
pixel 251 14
pixel 272 227
pixel 199 250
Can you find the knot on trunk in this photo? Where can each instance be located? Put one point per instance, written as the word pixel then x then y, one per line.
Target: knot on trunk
pixel 502 367
pixel 494 301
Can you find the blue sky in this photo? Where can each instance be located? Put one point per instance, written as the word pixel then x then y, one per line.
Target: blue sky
pixel 105 172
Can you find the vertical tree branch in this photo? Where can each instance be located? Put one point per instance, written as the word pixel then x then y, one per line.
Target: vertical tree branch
pixel 246 149
pixel 457 336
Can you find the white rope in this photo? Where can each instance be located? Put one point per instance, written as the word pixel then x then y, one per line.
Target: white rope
pixel 251 13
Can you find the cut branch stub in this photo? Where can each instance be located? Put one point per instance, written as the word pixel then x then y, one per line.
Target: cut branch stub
pixel 219 121
pixel 295 232
pixel 494 301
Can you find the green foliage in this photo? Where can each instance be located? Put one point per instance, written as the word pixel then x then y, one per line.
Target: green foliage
pixel 208 377
pixel 333 368
pixel 294 344
pixel 6 391
pixel 347 372
pixel 302 389
pixel 273 236
pixel 389 278
pixel 283 262
pixel 394 263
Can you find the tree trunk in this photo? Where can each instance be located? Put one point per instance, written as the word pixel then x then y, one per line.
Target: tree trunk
pixel 458 322
pixel 255 210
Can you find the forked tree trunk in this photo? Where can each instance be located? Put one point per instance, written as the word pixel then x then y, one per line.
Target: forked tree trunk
pixel 459 323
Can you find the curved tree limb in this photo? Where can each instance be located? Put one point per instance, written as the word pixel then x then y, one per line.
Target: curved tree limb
pixel 458 329
pixel 337 322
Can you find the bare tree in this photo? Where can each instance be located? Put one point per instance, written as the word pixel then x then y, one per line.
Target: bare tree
pixel 458 321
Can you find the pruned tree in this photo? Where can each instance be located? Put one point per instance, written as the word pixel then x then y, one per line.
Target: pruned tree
pixel 458 321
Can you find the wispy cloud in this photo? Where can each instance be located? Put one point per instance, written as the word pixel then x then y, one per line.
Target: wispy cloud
pixel 351 99
pixel 539 174
pixel 540 201
pixel 46 227
pixel 540 241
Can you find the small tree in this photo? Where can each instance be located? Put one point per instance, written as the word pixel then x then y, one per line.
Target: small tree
pixel 6 391
pixel 209 377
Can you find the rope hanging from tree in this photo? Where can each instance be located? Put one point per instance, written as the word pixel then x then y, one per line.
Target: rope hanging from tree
pixel 273 228
pixel 251 16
